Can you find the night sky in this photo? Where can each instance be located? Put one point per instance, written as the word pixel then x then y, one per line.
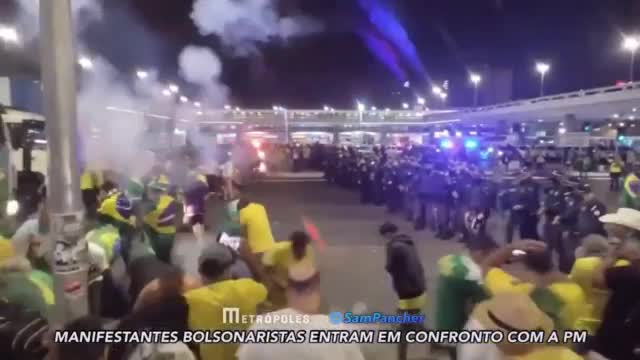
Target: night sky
pixel 580 38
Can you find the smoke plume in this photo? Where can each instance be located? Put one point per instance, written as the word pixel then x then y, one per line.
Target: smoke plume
pixel 84 13
pixel 112 134
pixel 242 25
pixel 202 67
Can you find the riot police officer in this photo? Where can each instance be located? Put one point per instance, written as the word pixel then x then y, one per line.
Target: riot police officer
pixel 568 219
pixel 590 211
pixel 524 205
pixel 392 187
pixel 365 177
pixel 439 192
pixel 377 172
pixel 552 207
pixel 408 179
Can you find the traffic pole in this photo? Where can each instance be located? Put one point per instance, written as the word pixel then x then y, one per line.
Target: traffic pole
pixel 69 258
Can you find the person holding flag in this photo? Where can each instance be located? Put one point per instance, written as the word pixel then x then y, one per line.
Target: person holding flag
pixel 631 189
pixel 159 222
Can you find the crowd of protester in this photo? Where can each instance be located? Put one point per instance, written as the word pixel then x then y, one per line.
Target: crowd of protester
pixel 136 284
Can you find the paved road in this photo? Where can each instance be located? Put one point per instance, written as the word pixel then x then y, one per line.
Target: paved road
pixel 352 267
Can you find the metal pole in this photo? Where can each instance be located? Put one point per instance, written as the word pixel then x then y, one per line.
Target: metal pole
pixel 631 65
pixel 286 126
pixel 475 95
pixel 542 84
pixel 70 258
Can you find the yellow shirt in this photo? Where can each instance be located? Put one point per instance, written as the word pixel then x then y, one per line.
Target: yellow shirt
pixel 596 299
pixel 87 181
pixel 206 305
pixel 549 353
pixel 570 293
pixel 615 168
pixel 280 258
pixel 254 218
pixel 6 249
pixel 161 218
pixel 281 255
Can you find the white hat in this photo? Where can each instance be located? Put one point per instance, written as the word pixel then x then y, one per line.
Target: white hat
pixel 625 217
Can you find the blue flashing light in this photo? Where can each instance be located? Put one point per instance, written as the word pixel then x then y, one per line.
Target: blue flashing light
pixel 470 144
pixel 446 144
pixel 484 155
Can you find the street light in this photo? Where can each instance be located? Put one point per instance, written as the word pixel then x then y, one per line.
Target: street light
pixel 166 92
pixel 373 108
pixel 443 96
pixel 405 106
pixel 184 99
pixel 9 35
pixel 326 108
pixel 174 88
pixel 141 74
pixel 475 80
pixel 421 100
pixel 437 90
pixel 407 84
pixel 631 44
pixel 85 63
pixel 542 69
pixel 361 109
pixel 197 104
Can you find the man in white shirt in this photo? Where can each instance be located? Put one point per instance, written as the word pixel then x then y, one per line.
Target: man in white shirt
pixel 303 298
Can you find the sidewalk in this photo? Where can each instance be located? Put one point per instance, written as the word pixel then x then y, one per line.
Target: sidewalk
pixel 305 176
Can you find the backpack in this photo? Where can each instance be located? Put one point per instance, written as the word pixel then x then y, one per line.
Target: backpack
pixel 21 333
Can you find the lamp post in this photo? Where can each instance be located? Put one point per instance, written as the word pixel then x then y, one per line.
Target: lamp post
pixel 85 63
pixel 70 254
pixel 141 74
pixel 9 35
pixel 631 44
pixel 361 109
pixel 475 80
pixel 542 69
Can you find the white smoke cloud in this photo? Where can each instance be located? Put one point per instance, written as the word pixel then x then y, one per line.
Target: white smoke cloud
pixel 202 67
pixel 242 25
pixel 112 135
pixel 84 12
pixel 199 65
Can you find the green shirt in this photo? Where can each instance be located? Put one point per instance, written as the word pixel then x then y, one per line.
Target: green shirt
pixel 458 287
pixel 34 290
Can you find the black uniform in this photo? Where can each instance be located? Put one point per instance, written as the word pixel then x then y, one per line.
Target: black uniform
pixel 569 221
pixel 524 210
pixel 588 218
pixel 408 180
pixel 392 188
pixel 439 192
pixel 553 207
pixel 366 177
